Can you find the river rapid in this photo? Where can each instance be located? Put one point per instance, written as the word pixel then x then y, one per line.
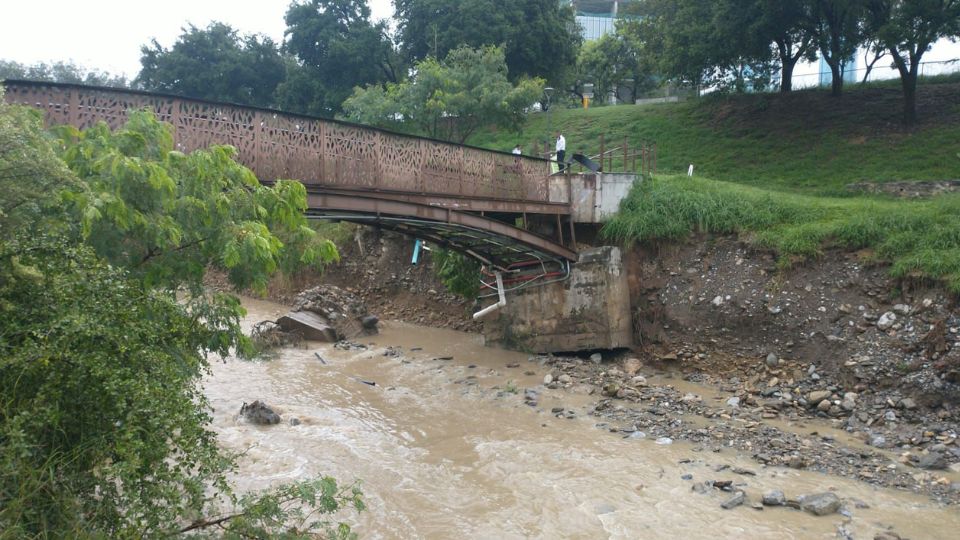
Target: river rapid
pixel 446 448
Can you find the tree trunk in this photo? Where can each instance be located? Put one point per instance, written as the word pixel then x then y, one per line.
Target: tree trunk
pixel 786 75
pixel 909 100
pixel 908 80
pixel 836 84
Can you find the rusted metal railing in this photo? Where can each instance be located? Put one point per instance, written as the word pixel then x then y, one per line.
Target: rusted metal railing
pixel 318 152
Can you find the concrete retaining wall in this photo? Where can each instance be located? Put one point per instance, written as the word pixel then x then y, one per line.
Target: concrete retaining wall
pixel 590 310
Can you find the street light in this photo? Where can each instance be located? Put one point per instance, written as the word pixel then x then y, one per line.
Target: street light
pixel 548 92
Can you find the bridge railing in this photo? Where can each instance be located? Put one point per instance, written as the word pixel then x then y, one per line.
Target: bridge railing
pixel 315 151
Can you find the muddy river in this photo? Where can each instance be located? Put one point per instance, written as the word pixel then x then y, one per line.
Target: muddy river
pixel 446 448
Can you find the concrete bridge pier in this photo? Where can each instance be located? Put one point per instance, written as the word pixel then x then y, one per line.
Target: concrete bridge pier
pixel 588 310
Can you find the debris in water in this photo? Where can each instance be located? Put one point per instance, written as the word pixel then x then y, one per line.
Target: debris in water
pixel 368 383
pixel 320 358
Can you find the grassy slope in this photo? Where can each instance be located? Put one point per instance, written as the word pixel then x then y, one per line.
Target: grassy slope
pixel 774 168
pixel 805 142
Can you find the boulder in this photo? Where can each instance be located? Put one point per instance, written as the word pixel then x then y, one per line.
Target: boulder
pixel 735 501
pixel 820 504
pixel 774 498
pixel 259 413
pixel 814 398
pixel 886 321
pixel 631 366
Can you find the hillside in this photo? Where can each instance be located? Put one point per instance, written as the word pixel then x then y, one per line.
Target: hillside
pixel 805 141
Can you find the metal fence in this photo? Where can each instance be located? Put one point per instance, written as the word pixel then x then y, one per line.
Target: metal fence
pixel 316 151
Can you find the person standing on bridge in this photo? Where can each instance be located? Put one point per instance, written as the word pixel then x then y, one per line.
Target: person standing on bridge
pixel 561 150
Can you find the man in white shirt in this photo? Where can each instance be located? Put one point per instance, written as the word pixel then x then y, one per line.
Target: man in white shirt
pixel 561 149
pixel 517 150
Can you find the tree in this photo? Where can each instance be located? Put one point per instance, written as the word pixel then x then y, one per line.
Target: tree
pixel 103 426
pixel 788 24
pixel 449 100
pixel 839 31
pixel 540 37
pixel 336 48
pixel 907 29
pixel 614 64
pixel 699 44
pixel 62 72
pixel 214 63
pixel 167 216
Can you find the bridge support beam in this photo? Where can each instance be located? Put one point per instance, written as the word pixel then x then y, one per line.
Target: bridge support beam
pixel 589 310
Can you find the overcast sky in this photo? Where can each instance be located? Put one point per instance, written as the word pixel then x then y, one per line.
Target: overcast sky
pixel 107 34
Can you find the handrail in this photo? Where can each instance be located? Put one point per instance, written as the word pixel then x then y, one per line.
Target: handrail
pixel 316 151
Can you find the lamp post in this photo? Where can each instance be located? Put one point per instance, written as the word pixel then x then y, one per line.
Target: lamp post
pixel 548 93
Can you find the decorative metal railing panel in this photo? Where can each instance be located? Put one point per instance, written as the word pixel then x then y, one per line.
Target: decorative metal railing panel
pixel 315 151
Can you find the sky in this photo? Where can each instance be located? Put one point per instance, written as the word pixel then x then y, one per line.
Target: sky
pixel 107 34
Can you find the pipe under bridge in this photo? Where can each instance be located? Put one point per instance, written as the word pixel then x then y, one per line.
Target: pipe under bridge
pixel 465 198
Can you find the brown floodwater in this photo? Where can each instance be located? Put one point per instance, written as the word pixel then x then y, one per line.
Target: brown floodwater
pixel 448 449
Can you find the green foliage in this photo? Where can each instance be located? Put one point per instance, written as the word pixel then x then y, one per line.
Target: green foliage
pixel 261 515
pixel 700 44
pixel 919 238
pixel 62 72
pixel 337 48
pixel 614 64
pixel 103 424
pixel 459 273
pixel 907 30
pixel 449 100
pixel 31 176
pixel 540 36
pixel 167 216
pixel 214 63
pixel 802 141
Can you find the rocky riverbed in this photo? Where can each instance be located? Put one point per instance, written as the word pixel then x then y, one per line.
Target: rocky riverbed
pixel 789 429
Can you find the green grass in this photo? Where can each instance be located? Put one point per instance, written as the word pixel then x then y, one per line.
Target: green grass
pixel 919 238
pixel 804 142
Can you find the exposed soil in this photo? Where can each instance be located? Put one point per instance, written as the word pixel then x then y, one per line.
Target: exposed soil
pixel 830 365
pixel 375 265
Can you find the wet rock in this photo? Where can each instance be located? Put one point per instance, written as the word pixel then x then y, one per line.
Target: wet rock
pixel 631 366
pixel 735 501
pixel 370 322
pixel 259 413
pixel 564 379
pixel 664 440
pixel 814 398
pixel 887 320
pixel 548 378
pixel 294 421
pixel 596 358
pixel 820 504
pixel 774 498
pixel 701 487
pixel 934 461
pixel 772 360
pixel 887 535
pixel 610 390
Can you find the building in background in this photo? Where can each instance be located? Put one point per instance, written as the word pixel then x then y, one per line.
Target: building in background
pixel 596 17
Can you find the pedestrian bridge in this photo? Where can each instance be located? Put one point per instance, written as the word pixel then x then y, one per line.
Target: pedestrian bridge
pixel 468 199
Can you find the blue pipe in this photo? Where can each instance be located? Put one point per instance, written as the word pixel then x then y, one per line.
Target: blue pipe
pixel 416 251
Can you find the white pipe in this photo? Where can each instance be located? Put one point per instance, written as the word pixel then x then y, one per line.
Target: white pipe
pixel 503 300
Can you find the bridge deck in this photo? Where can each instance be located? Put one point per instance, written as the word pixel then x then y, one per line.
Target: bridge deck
pixel 320 153
pixel 421 187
